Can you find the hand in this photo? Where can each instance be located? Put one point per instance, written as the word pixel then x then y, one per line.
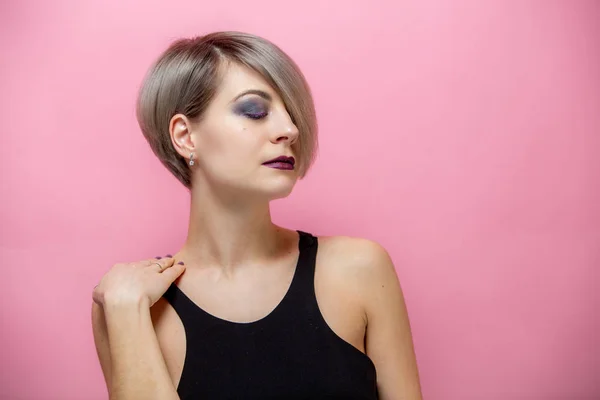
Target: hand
pixel 142 281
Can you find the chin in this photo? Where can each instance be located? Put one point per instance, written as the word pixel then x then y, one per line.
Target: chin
pixel 281 195
pixel 271 188
pixel 279 192
pixel 276 189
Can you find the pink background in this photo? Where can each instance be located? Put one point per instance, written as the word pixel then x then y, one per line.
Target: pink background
pixel 462 135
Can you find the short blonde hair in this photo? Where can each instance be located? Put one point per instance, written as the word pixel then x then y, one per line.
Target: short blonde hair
pixel 186 76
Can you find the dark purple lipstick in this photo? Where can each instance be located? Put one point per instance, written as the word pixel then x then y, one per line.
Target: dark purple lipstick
pixel 282 162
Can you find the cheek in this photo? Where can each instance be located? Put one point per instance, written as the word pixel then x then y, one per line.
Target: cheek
pixel 233 150
pixel 250 138
pixel 224 139
pixel 246 147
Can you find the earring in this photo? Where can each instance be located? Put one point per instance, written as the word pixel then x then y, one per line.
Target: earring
pixel 191 159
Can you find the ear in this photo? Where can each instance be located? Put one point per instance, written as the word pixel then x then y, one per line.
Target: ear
pixel 180 129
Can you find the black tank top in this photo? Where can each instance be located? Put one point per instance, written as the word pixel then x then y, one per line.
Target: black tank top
pixel 290 354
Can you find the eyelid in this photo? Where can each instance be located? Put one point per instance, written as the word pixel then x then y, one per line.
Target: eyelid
pixel 255 99
pixel 254 104
pixel 254 92
pixel 252 108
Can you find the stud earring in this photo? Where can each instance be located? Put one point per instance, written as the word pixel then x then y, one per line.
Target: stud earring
pixel 191 159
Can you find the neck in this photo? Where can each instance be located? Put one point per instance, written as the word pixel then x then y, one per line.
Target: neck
pixel 229 234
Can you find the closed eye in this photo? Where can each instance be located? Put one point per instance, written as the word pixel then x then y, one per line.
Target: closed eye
pixel 252 108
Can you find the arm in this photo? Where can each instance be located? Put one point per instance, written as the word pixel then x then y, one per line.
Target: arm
pixel 129 354
pixel 389 340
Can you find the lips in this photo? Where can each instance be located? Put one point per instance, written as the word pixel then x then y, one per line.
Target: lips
pixel 281 159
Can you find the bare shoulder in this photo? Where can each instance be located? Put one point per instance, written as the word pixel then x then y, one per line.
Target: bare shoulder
pixel 359 268
pixel 361 258
pixel 366 268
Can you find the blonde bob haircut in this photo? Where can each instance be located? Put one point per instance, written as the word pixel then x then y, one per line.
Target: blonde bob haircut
pixel 186 76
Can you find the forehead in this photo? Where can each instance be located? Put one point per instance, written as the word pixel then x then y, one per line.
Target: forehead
pixel 238 78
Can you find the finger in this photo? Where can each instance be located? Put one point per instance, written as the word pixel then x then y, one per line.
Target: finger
pixel 96 296
pixel 162 264
pixel 145 263
pixel 152 260
pixel 173 272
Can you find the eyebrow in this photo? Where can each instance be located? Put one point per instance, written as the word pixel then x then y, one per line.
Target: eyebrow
pixel 257 92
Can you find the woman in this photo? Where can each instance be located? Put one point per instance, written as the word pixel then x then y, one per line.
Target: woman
pixel 247 309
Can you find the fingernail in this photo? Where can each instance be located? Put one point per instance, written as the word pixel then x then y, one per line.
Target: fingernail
pixel 168 255
pixel 180 263
pixel 158 258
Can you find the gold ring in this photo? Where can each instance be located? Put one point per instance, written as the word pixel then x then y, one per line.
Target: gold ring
pixel 159 266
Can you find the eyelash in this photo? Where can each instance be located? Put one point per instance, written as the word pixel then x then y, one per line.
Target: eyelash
pixel 256 116
pixel 247 109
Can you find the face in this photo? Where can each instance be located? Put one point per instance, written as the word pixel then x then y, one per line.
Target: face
pixel 245 126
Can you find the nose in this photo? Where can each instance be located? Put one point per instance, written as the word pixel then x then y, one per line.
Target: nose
pixel 289 135
pixel 283 128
